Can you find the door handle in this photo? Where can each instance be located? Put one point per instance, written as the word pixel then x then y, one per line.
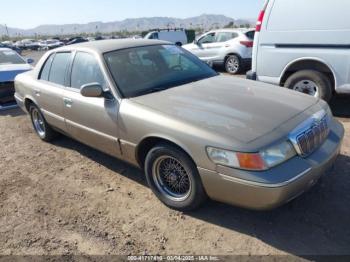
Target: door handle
pixel 68 102
pixel 37 92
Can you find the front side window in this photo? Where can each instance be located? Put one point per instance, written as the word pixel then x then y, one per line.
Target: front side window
pixel 155 36
pixel 10 57
pixel 141 70
pixel 86 70
pixel 207 39
pixel 59 68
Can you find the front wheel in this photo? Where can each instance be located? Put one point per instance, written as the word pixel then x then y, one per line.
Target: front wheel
pixel 233 64
pixel 173 178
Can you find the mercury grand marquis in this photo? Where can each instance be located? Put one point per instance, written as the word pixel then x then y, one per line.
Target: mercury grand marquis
pixel 196 134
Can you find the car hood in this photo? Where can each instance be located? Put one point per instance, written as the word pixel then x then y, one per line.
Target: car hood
pixel 8 72
pixel 237 108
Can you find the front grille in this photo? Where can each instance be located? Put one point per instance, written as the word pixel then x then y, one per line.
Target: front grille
pixel 309 140
pixel 7 90
pixel 8 84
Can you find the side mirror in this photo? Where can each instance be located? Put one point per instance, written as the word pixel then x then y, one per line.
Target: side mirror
pixel 91 90
pixel 30 61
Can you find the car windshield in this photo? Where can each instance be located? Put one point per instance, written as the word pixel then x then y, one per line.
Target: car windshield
pixel 10 57
pixel 142 70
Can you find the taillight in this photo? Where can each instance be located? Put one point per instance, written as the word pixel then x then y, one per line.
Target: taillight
pixel 260 21
pixel 247 43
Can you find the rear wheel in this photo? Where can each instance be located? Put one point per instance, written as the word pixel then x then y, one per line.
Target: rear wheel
pixel 233 64
pixel 173 178
pixel 312 83
pixel 41 127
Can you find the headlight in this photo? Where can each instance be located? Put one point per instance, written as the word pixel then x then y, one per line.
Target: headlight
pixel 276 155
pixel 264 160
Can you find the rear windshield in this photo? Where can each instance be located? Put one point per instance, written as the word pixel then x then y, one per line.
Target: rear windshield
pixel 250 34
pixel 10 57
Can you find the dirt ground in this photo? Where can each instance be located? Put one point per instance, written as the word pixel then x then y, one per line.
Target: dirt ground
pixel 66 198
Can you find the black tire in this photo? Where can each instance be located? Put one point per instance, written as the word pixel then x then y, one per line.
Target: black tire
pixel 47 134
pixel 178 44
pixel 196 195
pixel 323 83
pixel 233 64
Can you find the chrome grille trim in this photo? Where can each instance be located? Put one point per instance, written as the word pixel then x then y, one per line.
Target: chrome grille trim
pixel 311 134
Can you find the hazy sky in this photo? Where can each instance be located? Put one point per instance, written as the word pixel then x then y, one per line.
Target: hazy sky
pixel 30 13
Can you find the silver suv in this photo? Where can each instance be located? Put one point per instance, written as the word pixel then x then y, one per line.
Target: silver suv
pixel 229 47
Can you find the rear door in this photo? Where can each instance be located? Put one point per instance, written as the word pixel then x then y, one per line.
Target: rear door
pixel 91 120
pixel 49 89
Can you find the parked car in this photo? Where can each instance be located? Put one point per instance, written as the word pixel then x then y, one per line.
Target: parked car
pixel 50 44
pixel 77 40
pixel 27 44
pixel 14 48
pixel 196 133
pixel 11 64
pixel 307 55
pixel 175 36
pixel 231 48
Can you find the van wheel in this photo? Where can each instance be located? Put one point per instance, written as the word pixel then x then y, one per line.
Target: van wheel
pixel 173 178
pixel 312 83
pixel 233 64
pixel 178 44
pixel 41 127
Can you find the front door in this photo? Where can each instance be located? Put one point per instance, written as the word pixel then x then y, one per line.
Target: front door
pixel 92 121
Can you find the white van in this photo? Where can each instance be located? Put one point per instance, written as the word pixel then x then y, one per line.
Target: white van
pixel 304 46
pixel 175 36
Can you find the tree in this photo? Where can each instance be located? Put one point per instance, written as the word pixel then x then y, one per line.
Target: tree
pixel 230 25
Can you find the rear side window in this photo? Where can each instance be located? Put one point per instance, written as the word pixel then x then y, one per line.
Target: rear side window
pixel 59 68
pixel 225 36
pixel 86 70
pixel 45 71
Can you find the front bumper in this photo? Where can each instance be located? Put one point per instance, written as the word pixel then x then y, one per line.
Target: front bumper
pixel 229 186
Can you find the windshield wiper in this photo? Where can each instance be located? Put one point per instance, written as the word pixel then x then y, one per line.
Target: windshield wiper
pixel 154 90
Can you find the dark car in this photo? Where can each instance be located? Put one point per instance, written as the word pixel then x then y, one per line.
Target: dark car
pixel 14 48
pixel 77 41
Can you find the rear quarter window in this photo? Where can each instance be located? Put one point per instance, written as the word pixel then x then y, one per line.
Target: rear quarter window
pixel 301 15
pixel 250 34
pixel 45 71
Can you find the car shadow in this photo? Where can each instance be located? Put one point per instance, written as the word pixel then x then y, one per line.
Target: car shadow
pixel 340 106
pixel 12 112
pixel 111 163
pixel 316 223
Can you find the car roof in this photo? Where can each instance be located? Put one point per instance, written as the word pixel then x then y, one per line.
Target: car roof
pixel 105 46
pixel 236 30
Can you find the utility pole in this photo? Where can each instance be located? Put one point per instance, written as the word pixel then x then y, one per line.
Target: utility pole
pixel 7 31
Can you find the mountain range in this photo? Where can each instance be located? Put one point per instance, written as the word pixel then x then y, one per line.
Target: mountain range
pixel 205 21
